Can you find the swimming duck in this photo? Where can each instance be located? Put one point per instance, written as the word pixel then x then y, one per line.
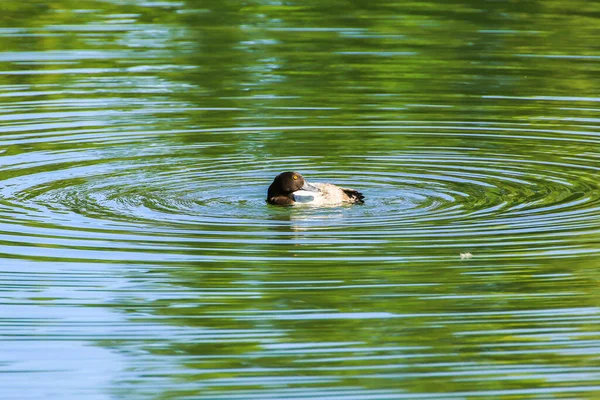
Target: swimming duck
pixel 290 188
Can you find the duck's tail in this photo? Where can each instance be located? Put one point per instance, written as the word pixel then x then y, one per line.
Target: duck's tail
pixel 354 195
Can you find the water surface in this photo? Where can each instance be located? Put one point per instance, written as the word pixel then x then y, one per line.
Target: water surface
pixel 138 258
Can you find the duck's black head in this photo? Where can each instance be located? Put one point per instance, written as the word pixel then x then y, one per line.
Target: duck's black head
pixel 284 184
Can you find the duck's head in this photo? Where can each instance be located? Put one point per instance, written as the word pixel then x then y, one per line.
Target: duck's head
pixel 288 182
pixel 284 184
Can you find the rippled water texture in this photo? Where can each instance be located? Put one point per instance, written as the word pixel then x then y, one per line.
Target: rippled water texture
pixel 139 260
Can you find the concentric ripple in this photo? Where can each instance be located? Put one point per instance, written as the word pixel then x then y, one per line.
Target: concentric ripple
pixel 139 259
pixel 498 191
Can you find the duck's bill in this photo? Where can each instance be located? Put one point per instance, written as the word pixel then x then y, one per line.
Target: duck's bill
pixel 304 196
pixel 309 187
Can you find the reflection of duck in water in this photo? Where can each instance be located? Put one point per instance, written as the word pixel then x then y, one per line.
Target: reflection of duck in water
pixel 290 188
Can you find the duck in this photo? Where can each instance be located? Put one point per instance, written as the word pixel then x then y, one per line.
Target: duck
pixel 290 188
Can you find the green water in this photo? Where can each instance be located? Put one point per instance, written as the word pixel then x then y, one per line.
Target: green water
pixel 139 260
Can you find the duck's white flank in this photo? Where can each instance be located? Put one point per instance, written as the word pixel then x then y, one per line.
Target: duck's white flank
pixel 327 194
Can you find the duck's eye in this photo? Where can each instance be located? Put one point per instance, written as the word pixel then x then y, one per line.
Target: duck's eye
pixel 295 177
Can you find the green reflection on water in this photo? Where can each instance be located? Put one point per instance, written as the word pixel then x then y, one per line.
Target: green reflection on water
pixel 139 138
